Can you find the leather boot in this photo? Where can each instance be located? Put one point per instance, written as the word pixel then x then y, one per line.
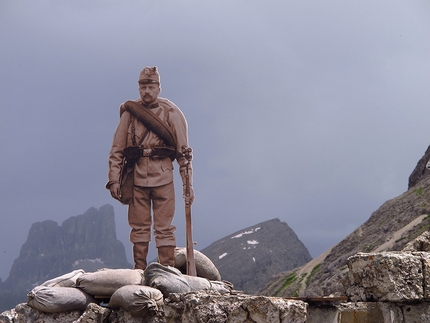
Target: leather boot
pixel 140 252
pixel 166 255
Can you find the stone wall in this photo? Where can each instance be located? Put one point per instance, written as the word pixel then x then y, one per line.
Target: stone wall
pixel 382 288
pixel 185 308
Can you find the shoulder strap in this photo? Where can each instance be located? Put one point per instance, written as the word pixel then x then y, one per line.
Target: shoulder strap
pixel 152 122
pixel 133 131
pixel 146 130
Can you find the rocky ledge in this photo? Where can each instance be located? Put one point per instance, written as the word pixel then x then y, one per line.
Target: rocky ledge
pixel 191 307
pixel 381 287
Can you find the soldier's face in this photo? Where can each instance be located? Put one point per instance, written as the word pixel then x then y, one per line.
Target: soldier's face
pixel 149 92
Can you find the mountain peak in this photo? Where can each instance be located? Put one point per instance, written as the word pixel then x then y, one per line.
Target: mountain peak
pixel 420 172
pixel 86 241
pixel 249 257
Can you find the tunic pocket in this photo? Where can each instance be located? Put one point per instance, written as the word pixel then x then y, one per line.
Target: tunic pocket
pixel 166 164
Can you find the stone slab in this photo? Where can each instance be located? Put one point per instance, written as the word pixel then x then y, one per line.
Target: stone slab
pixel 387 276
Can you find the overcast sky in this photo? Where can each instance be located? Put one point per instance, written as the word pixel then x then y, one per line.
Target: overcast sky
pixel 313 112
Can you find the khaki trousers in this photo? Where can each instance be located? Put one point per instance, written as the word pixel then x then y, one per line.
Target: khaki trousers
pixel 162 201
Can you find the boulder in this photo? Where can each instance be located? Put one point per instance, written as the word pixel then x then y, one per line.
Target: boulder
pixel 421 243
pixel 388 276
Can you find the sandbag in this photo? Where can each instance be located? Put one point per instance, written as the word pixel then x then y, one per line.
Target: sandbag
pixel 66 280
pixel 138 300
pixel 204 266
pixel 198 283
pixel 166 279
pixel 58 299
pixel 170 280
pixel 222 287
pixel 106 281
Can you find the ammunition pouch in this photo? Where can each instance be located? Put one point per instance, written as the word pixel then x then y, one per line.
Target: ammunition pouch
pixel 132 153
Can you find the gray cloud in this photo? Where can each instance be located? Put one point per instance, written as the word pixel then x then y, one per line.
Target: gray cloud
pixel 315 113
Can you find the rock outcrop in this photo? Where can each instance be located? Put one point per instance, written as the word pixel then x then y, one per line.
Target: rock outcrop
pixel 186 308
pixel 389 277
pixel 86 241
pixel 383 287
pixel 397 222
pixel 421 171
pixel 249 257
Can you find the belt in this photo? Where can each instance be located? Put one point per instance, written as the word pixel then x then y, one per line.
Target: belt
pixel 135 152
pixel 146 152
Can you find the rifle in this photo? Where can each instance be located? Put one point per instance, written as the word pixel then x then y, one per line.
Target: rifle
pixel 191 264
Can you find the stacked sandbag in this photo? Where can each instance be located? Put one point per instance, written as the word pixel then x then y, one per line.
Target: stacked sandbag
pixel 105 282
pixel 135 291
pixel 138 300
pixel 75 290
pixel 170 280
pixel 204 266
pixel 58 299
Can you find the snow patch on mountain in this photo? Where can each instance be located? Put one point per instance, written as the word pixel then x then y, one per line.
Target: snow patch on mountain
pixel 246 232
pixel 223 255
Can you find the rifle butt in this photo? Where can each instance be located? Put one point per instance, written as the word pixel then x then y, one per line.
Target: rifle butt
pixel 191 264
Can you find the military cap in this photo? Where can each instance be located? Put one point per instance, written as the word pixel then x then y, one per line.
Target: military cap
pixel 149 75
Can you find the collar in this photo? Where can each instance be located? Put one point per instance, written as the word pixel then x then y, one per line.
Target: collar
pixel 152 106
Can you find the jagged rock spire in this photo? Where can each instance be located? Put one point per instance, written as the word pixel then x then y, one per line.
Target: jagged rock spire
pixel 420 172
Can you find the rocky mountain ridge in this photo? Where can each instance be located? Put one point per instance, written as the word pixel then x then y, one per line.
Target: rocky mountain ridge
pixel 86 241
pixel 397 222
pixel 249 257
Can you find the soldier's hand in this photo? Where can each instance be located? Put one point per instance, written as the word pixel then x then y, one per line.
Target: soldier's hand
pixel 190 198
pixel 115 191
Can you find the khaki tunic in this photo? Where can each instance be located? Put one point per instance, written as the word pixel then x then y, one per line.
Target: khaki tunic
pixel 153 178
pixel 149 172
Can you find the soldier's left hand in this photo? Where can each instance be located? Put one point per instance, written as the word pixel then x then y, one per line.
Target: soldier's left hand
pixel 115 191
pixel 190 198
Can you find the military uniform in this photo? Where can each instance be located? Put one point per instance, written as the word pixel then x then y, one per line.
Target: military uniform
pixel 153 175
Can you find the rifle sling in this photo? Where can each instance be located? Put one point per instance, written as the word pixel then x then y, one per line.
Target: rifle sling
pixel 152 122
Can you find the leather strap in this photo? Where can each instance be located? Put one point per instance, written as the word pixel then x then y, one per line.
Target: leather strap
pixel 151 121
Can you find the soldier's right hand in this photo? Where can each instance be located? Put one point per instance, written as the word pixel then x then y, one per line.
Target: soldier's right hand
pixel 115 191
